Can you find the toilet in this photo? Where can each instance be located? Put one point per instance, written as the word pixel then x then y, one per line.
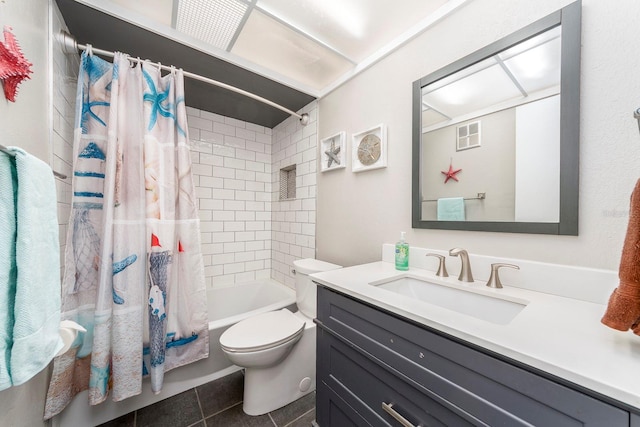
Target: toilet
pixel 278 348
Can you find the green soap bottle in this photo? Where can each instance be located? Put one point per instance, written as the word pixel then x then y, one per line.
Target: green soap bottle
pixel 402 253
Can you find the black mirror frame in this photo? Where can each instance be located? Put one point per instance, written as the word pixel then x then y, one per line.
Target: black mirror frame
pixel 570 19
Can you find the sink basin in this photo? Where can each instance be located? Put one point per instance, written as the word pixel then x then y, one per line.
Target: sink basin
pixel 463 299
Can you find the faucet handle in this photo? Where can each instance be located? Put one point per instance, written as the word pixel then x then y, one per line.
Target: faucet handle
pixel 442 267
pixel 494 279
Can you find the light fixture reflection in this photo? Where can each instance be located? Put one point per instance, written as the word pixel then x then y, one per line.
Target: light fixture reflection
pixel 346 13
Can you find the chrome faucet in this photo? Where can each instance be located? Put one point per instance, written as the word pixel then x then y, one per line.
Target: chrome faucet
pixel 465 269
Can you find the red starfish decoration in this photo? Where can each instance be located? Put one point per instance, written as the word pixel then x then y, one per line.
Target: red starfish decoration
pixel 450 174
pixel 14 67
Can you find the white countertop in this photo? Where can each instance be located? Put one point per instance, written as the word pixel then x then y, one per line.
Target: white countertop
pixel 562 336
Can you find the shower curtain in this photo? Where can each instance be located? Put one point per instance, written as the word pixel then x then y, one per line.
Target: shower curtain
pixel 134 276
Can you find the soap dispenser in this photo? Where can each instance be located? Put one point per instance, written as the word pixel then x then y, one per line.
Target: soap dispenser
pixel 402 253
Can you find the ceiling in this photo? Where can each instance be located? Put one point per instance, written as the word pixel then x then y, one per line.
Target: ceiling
pixel 288 51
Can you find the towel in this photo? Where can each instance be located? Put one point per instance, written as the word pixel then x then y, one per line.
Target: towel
pixel 37 293
pixel 623 310
pixel 8 181
pixel 451 209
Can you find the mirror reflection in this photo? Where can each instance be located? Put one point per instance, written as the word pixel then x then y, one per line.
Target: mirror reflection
pixel 490 137
pixel 483 119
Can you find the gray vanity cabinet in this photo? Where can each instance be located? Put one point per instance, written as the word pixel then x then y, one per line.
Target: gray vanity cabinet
pixel 368 358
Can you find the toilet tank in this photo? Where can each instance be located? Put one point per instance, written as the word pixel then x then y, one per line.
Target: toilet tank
pixel 306 292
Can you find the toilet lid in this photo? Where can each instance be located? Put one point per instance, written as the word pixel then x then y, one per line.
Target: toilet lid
pixel 262 331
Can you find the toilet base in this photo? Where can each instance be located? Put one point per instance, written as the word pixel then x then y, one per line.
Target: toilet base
pixel 271 388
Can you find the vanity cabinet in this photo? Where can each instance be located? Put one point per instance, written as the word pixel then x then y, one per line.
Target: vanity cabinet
pixel 368 358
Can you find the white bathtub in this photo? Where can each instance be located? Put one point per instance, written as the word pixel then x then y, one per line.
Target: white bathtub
pixel 227 306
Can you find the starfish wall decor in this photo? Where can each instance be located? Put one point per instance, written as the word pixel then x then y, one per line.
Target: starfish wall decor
pixel 451 174
pixel 332 154
pixel 332 149
pixel 14 67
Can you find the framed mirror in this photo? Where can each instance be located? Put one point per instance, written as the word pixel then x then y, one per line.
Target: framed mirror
pixel 496 134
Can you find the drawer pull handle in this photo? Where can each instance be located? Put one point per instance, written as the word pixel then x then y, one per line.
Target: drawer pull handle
pixel 388 407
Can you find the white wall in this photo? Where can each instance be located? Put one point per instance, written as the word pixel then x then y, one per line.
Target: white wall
pixel 359 212
pixel 26 122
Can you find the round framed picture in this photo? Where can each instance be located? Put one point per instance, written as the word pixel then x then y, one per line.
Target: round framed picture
pixel 369 149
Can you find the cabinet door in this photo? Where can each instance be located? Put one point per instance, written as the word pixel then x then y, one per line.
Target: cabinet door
pixel 332 410
pixel 491 390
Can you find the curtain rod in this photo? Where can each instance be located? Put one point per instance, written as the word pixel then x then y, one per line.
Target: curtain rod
pixel 12 154
pixel 70 45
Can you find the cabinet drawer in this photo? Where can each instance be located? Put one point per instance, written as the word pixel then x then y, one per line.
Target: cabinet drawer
pixel 364 386
pixel 493 391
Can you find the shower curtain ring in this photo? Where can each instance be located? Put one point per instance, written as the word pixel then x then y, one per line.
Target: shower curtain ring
pixel 173 70
pixel 89 50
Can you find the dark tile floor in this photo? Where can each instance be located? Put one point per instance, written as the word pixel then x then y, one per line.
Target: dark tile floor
pixel 216 404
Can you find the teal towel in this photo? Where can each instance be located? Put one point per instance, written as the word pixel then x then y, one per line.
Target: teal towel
pixel 36 338
pixel 8 274
pixel 451 209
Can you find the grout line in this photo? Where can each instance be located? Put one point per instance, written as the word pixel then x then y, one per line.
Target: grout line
pixel 199 404
pixel 271 418
pixel 296 419
pixel 227 408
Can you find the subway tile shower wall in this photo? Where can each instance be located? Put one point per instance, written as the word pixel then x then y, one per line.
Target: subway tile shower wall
pixel 65 80
pixel 247 233
pixel 294 220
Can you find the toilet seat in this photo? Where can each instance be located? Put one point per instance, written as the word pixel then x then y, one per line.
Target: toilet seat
pixel 263 331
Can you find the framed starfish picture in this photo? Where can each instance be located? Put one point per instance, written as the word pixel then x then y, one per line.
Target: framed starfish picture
pixel 332 152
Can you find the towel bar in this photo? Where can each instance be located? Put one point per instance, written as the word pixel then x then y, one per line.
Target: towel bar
pixel 480 196
pixel 6 151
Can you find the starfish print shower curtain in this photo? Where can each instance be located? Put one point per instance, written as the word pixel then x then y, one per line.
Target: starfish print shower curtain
pixel 134 276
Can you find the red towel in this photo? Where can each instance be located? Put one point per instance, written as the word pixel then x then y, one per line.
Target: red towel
pixel 623 311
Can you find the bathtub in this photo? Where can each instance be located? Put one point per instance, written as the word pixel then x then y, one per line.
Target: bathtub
pixel 227 306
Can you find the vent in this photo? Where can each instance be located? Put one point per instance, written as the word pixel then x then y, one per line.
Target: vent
pixel 288 182
pixel 213 21
pixel 468 136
